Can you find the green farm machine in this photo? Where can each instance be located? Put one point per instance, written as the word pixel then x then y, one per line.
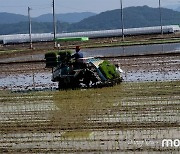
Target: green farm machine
pixel 81 73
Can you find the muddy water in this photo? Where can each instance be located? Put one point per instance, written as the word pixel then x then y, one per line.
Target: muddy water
pixel 131 117
pixel 90 120
pixel 160 68
pixel 134 50
pixel 112 51
pixel 27 81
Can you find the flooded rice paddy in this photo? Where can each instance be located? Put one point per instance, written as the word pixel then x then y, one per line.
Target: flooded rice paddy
pixel 136 69
pixel 109 51
pixel 125 118
pixel 133 117
pixel 134 50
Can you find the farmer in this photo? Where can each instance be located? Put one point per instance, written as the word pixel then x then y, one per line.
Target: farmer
pixel 78 54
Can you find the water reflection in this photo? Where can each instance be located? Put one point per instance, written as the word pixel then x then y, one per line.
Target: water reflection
pixel 133 50
pixel 43 80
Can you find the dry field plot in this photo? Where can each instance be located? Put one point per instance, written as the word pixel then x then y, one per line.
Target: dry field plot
pixel 125 118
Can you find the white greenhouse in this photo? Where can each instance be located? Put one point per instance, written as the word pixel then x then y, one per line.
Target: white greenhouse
pixel 23 38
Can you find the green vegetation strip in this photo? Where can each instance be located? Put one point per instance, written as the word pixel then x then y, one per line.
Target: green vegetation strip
pixel 72 39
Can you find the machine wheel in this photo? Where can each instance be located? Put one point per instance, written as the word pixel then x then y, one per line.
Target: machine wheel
pixel 90 78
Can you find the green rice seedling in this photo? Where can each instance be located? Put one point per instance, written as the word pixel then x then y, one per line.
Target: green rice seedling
pixel 108 69
pixel 51 59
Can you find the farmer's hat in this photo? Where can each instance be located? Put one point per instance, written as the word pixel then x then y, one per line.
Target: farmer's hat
pixel 77 47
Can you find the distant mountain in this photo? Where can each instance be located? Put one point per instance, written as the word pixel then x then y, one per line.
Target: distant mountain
pixel 67 17
pixel 142 16
pixel 134 17
pixel 8 18
pixel 177 9
pixel 174 7
pixel 37 27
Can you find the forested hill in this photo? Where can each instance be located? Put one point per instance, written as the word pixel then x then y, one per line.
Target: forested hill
pixel 66 17
pixel 9 18
pixel 133 17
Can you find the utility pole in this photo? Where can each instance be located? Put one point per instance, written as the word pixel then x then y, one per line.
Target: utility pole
pixel 122 19
pixel 160 14
pixel 30 37
pixel 54 24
